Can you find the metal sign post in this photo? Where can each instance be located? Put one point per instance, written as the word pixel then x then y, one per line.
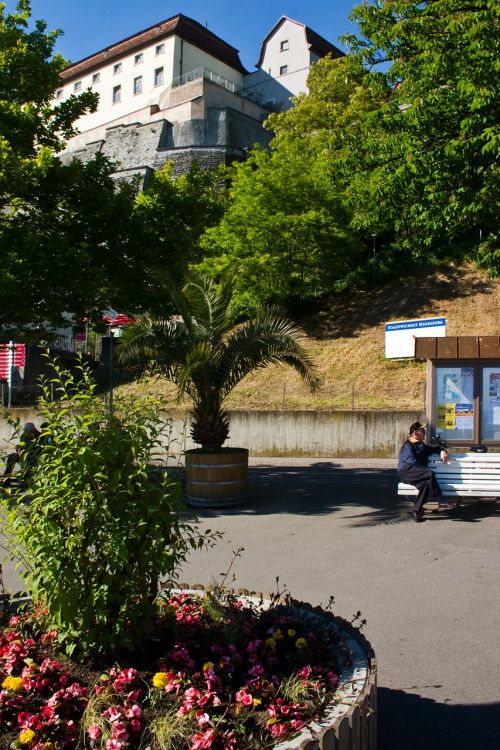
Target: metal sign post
pixel 10 366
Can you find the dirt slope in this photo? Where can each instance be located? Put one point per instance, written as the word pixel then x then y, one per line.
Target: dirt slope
pixel 346 339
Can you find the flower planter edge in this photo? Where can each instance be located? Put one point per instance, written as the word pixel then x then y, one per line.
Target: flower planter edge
pixel 348 724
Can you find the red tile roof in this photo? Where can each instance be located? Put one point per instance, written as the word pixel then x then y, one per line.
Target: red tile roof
pixel 179 25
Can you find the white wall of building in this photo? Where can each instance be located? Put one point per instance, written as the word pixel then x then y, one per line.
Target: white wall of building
pixel 141 64
pixel 108 111
pixel 284 67
pixel 193 58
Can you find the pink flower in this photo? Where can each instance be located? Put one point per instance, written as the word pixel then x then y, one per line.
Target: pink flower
pixel 243 697
pixel 305 671
pixel 24 718
pixel 202 717
pixel 112 713
pixel 253 645
pixel 77 691
pixel 133 711
pixel 277 729
pixel 135 695
pixel 113 744
pixel 119 731
pixel 94 732
pixel 191 695
pixel 203 740
pixel 135 725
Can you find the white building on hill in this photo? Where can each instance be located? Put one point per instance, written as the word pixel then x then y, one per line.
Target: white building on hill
pixel 176 91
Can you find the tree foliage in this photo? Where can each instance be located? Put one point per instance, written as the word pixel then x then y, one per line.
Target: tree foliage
pixel 169 217
pixel 206 355
pixel 54 219
pixel 399 139
pixel 432 167
pixel 73 241
pixel 99 530
pixel 288 224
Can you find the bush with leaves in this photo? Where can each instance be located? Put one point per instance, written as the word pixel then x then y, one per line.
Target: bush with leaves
pixel 98 529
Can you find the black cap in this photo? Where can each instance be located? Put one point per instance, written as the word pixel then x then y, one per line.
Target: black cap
pixel 416 426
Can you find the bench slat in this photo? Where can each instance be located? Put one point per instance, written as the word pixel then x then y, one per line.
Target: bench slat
pixel 488 476
pixel 488 457
pixel 464 475
pixel 412 492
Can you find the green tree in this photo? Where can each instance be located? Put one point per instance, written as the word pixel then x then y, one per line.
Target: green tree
pixel 288 224
pixel 207 355
pixel 430 162
pixel 73 241
pixel 101 528
pixel 62 246
pixel 168 219
pixel 60 224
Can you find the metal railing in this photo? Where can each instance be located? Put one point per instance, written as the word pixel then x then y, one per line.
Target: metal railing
pixel 208 75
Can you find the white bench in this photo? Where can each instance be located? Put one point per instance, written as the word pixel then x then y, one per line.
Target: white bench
pixel 464 475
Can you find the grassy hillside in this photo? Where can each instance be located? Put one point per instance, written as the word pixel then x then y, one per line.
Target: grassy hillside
pixel 346 339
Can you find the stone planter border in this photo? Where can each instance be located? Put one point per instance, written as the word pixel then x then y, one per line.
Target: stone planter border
pixel 350 721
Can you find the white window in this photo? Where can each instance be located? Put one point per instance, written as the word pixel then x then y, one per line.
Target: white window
pixel 117 94
pixel 59 93
pixel 160 49
pixel 283 70
pixel 138 85
pixel 138 59
pixel 77 86
pixel 159 77
pixel 284 45
pixel 96 78
pixel 117 68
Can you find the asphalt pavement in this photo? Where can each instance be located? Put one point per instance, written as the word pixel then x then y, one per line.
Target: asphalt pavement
pixel 429 591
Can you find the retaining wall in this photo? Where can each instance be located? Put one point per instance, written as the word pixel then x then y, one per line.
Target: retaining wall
pixel 290 433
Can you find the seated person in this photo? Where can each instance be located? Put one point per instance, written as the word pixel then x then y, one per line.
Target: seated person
pixel 413 469
pixel 26 449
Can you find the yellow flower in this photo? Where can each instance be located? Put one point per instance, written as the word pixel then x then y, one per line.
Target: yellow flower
pixel 257 701
pixel 160 680
pixel 14 684
pixel 208 665
pixel 270 643
pixel 278 634
pixel 291 632
pixel 301 643
pixel 27 737
pixel 48 746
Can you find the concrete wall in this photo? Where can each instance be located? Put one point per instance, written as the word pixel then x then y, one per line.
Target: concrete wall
pixel 282 433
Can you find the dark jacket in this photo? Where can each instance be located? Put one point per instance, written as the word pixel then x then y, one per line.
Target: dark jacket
pixel 415 454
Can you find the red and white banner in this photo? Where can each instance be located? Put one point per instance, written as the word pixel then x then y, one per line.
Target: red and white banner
pixel 11 355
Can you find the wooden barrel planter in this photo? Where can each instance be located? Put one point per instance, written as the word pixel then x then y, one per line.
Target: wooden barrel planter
pixel 216 480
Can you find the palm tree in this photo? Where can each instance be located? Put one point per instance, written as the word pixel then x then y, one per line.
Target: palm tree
pixel 207 354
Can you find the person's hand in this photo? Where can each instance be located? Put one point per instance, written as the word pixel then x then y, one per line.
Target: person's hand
pixel 444 456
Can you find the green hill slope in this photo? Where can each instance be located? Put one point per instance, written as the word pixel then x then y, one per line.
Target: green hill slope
pixel 346 339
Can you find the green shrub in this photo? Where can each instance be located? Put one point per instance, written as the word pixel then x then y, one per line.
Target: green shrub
pixel 98 528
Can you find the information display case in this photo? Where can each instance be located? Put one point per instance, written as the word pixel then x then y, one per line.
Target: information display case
pixel 463 392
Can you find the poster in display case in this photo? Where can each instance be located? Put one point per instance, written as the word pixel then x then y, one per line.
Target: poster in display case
pixel 455 400
pixel 490 426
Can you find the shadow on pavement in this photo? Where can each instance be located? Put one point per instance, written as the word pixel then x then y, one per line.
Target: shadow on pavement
pixel 325 488
pixel 409 722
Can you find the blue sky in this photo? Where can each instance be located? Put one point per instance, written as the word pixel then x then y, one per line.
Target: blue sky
pixel 90 25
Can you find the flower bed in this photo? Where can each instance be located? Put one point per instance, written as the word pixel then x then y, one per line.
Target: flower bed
pixel 215 673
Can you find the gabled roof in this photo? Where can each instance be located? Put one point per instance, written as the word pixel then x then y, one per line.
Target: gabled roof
pixel 179 25
pixel 316 42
